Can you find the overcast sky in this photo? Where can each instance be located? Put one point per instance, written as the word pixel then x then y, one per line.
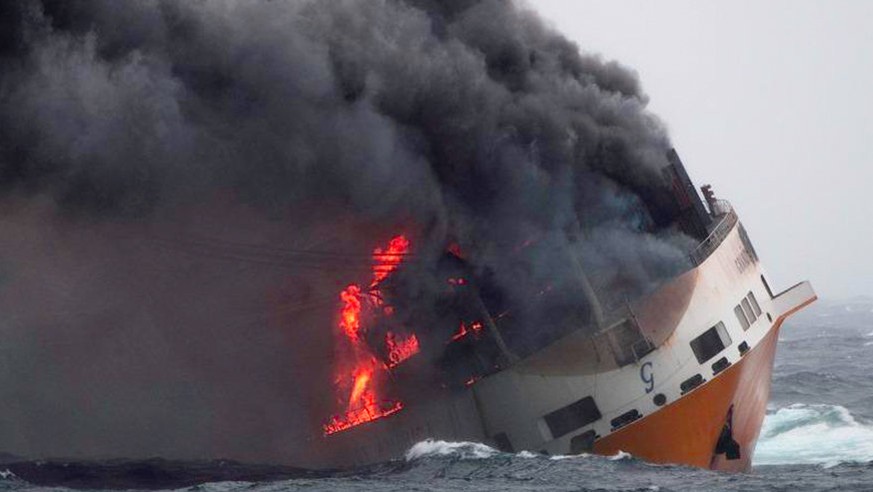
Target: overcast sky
pixel 771 103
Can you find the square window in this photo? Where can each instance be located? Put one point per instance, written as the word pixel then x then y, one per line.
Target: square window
pixel 575 415
pixel 710 343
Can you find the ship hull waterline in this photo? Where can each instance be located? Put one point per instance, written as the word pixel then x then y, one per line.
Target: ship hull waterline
pixel 687 431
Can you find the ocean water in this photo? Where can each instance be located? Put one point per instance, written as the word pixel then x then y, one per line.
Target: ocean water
pixel 818 435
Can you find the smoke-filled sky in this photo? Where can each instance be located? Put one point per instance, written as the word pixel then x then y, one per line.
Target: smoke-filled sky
pixel 770 102
pixel 185 188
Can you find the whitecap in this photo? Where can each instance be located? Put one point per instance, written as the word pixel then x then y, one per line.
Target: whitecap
pixel 621 455
pixel 464 450
pixel 559 457
pixel 813 434
pixel 528 454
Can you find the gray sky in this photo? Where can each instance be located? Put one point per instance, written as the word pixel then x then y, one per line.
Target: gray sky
pixel 770 103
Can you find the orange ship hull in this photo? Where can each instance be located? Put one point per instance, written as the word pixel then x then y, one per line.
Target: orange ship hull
pixel 688 430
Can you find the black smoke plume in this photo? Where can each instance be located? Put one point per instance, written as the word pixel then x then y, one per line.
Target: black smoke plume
pixel 186 185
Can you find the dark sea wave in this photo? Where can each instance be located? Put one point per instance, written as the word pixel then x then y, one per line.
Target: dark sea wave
pixel 818 435
pixel 436 465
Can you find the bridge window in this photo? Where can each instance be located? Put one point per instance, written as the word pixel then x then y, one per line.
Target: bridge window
pixel 747 308
pixel 575 415
pixel 710 343
pixel 754 303
pixel 738 310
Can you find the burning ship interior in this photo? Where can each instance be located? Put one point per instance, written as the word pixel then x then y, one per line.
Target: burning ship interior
pixel 391 351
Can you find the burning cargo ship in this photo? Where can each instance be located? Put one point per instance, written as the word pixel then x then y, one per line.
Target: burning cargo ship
pixel 680 375
pixel 544 278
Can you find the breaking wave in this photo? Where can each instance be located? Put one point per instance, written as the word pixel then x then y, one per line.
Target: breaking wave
pixel 464 450
pixel 813 435
pixel 430 448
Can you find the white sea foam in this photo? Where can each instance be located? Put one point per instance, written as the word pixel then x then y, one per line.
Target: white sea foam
pixel 465 450
pixel 528 454
pixel 621 455
pixel 559 457
pixel 813 434
pixel 7 475
pixel 473 450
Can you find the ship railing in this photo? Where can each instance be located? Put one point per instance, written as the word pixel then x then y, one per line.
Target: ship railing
pixel 727 218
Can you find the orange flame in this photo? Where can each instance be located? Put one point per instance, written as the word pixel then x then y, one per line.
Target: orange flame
pixel 362 377
pixel 475 328
pixel 402 350
pixel 364 404
pixel 350 315
pixel 369 411
pixel 388 260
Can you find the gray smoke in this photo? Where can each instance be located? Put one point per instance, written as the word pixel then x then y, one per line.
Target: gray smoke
pixel 162 161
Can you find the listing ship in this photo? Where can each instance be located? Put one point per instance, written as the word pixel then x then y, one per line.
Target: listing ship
pixel 679 376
